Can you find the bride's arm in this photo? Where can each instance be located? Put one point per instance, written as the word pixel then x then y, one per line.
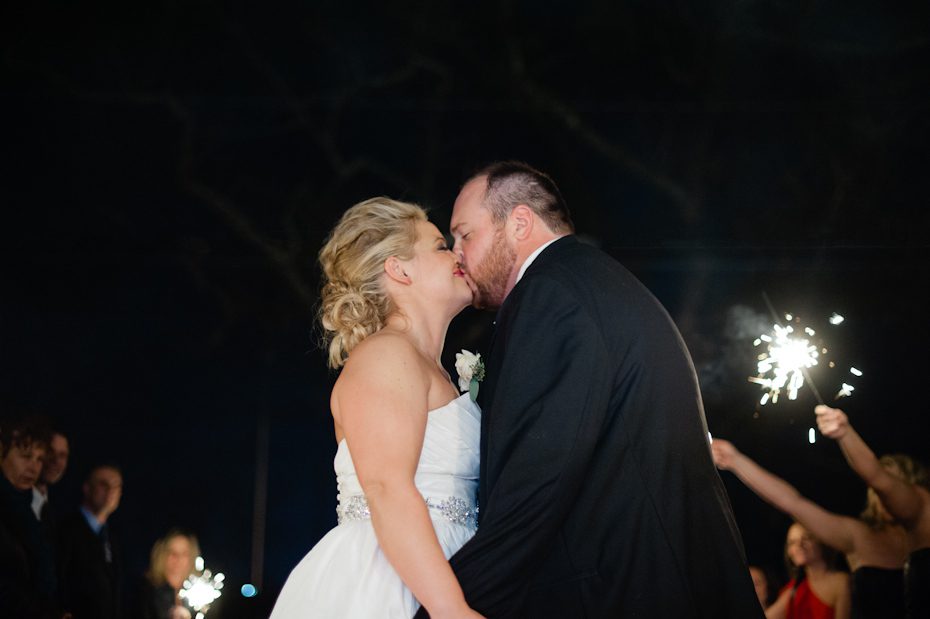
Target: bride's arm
pixel 382 402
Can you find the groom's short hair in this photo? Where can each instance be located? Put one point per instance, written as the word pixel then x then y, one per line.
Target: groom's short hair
pixel 510 183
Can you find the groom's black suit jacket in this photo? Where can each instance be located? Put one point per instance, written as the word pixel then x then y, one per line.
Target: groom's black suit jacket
pixel 598 493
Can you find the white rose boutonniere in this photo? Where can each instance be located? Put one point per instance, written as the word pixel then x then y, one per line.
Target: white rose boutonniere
pixel 470 369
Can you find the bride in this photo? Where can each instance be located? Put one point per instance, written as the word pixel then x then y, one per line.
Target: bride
pixel 407 456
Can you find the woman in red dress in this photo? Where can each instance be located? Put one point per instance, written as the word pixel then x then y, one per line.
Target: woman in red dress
pixel 816 591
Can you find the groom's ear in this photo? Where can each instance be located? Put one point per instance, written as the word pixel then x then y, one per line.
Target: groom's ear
pixel 394 269
pixel 521 222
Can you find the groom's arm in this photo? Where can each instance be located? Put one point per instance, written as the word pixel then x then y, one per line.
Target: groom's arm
pixel 549 403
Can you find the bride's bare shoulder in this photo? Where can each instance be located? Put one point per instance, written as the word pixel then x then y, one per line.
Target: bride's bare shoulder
pixel 384 359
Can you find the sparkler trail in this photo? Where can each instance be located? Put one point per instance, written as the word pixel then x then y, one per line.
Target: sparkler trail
pixel 784 361
pixel 796 355
pixel 783 367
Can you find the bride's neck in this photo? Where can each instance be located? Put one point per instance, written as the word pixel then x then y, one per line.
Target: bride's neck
pixel 428 332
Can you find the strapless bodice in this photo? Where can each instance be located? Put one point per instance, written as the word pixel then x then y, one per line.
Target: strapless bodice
pixel 917 583
pixel 877 593
pixel 448 465
pixel 347 574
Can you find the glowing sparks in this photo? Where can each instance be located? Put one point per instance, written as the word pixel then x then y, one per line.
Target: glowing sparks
pixel 845 390
pixel 811 436
pixel 781 367
pixel 201 589
pixel 787 354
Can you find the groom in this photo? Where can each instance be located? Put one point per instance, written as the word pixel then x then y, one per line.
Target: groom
pixel 598 494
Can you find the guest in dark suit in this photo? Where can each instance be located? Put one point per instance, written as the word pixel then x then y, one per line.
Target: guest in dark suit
pixel 27 570
pixel 46 506
pixel 598 495
pixel 53 469
pixel 89 558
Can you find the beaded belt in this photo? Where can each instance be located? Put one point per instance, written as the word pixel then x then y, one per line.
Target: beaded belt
pixel 454 509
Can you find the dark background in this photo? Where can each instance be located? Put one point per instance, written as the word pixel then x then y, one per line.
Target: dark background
pixel 170 171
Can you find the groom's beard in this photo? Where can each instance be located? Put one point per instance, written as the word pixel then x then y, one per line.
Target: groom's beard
pixel 491 275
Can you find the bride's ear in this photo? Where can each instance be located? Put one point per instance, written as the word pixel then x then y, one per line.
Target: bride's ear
pixel 394 269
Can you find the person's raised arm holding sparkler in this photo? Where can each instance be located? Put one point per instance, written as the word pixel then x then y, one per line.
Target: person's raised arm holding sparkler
pixel 879 544
pixel 875 545
pixel 908 502
pixel 902 486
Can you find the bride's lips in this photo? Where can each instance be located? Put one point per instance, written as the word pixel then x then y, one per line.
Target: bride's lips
pixel 458 273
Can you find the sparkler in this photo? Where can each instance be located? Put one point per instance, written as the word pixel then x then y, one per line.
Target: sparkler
pixel 201 590
pixel 783 366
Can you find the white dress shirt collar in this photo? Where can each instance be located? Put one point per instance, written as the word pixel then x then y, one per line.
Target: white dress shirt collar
pixel 94 524
pixel 529 260
pixel 38 501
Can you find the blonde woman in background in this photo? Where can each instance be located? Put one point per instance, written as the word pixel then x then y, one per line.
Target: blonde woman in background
pixel 171 562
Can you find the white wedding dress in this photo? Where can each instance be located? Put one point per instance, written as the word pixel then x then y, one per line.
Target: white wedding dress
pixel 346 576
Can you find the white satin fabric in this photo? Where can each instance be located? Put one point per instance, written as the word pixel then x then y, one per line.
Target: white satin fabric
pixel 346 576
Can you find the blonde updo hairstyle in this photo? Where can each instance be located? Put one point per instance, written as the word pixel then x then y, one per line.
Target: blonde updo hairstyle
pixel 353 302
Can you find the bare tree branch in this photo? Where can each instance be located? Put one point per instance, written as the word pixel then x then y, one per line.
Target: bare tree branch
pixel 552 105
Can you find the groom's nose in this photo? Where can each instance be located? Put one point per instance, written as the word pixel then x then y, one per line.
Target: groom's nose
pixel 457 250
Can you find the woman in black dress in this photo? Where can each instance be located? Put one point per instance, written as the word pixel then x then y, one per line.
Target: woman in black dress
pixel 907 498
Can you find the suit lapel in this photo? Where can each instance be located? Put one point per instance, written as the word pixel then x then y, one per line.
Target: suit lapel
pixel 495 359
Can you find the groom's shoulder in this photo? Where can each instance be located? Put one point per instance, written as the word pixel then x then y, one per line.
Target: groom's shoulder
pixel 574 248
pixel 573 260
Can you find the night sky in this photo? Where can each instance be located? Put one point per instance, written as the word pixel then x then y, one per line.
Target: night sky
pixel 171 172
